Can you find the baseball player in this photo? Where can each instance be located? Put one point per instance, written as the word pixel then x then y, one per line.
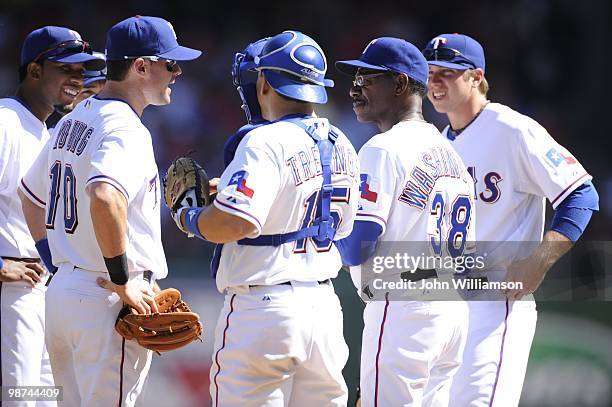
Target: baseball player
pixel 50 73
pixel 288 193
pixel 515 165
pixel 93 83
pixel 416 190
pixel 99 205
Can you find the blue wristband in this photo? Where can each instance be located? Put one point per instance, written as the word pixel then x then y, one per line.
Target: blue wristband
pixel 45 254
pixel 1 263
pixel 191 221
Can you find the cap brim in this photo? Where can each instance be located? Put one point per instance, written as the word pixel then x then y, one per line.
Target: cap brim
pixel 91 62
pixel 450 65
pixel 181 53
pixel 350 67
pixel 88 81
pixel 297 90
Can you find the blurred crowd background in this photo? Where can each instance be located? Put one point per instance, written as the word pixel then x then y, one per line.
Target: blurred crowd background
pixel 545 58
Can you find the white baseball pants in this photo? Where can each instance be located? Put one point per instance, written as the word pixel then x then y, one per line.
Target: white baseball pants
pixel 410 352
pixel 496 354
pixel 280 345
pixel 93 363
pixel 25 361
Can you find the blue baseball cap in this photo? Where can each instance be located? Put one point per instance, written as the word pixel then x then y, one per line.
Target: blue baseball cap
pixel 59 44
pixel 455 51
pixel 389 54
pixel 91 76
pixel 141 36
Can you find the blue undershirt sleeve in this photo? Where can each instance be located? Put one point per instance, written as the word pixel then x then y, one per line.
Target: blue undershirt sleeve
pixel 360 244
pixel 574 213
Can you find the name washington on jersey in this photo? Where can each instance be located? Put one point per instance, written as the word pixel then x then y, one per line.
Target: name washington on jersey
pixel 437 163
pixel 306 164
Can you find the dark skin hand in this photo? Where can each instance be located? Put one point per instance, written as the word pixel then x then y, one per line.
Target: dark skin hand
pixel 13 271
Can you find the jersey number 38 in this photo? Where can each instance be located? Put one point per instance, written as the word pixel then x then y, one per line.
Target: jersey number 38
pixel 450 226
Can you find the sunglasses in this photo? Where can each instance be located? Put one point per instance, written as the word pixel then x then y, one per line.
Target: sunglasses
pixel 445 54
pixel 65 48
pixel 362 80
pixel 171 64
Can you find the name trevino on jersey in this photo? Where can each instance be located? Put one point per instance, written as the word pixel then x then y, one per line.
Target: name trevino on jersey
pixel 306 164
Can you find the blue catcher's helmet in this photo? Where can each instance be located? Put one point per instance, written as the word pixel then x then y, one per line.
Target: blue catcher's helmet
pixel 245 78
pixel 295 67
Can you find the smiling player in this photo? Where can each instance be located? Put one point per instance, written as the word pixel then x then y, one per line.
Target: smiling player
pixel 50 73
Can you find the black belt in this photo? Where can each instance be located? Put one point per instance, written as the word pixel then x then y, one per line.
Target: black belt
pixel 419 274
pixel 147 275
pixel 328 281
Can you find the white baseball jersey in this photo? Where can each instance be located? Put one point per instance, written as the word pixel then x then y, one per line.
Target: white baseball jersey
pixel 411 175
pixel 515 164
pixel 415 186
pixel 274 182
pixel 24 360
pixel 22 136
pixel 100 141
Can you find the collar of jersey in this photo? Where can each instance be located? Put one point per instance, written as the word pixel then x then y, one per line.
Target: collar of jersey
pixel 22 103
pixel 118 100
pixel 294 116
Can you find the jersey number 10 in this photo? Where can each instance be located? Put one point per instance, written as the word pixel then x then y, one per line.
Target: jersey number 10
pixel 68 182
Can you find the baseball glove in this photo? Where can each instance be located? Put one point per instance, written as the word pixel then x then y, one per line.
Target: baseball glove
pixel 186 184
pixel 173 327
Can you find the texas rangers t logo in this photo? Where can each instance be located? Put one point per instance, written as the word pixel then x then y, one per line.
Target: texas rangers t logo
pixel 436 42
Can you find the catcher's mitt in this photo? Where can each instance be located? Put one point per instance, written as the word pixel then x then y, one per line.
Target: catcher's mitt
pixel 186 184
pixel 173 327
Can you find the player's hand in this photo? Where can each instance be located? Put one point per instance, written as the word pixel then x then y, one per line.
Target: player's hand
pixel 213 184
pixel 136 293
pixel 13 271
pixel 528 272
pixel 532 270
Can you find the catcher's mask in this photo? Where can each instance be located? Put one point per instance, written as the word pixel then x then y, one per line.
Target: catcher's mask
pixel 245 79
pixel 295 66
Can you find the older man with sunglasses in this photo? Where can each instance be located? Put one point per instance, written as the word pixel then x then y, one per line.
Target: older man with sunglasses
pixel 50 74
pixel 102 200
pixel 515 165
pixel 416 201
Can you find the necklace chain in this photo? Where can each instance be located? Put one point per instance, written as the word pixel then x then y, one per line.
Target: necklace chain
pixel 458 131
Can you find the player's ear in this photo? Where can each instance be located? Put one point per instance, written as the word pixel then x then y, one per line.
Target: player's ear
pixel 140 66
pixel 401 84
pixel 477 76
pixel 264 87
pixel 34 70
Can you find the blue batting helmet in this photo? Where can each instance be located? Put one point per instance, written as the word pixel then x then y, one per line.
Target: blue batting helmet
pixel 295 67
pixel 244 63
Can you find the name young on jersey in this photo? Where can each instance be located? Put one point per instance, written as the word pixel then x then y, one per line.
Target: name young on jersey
pixel 435 163
pixel 306 164
pixel 73 136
